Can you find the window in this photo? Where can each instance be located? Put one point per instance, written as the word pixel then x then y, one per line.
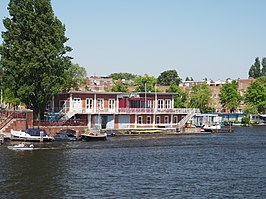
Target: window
pixel 166 119
pixel 158 120
pixel 62 104
pixel 111 104
pixel 139 119
pixel 167 103
pixel 149 104
pixel 100 104
pixel 89 103
pixel 175 119
pixel 148 120
pixel 160 104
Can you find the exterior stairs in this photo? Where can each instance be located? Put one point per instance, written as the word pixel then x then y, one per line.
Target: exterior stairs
pixel 6 123
pixel 184 120
pixel 67 116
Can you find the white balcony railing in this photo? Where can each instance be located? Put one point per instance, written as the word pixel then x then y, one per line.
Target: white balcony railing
pixel 129 111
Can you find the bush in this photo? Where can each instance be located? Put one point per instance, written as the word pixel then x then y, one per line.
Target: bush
pixel 245 120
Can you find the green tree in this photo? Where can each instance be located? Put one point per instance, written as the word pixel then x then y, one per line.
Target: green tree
pixel 245 120
pixel 168 77
pixel 119 86
pixel 74 76
pixel 255 70
pixel 33 53
pixel 230 96
pixel 145 83
pixel 120 76
pixel 180 97
pixel 256 94
pixel 250 109
pixel 199 97
pixel 263 63
pixel 189 79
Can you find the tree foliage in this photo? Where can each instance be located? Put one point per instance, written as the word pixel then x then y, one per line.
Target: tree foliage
pixel 120 76
pixel 145 83
pixel 33 53
pixel 250 109
pixel 180 97
pixel 199 97
pixel 256 94
pixel 74 76
pixel 255 70
pixel 263 63
pixel 189 79
pixel 119 86
pixel 168 77
pixel 230 96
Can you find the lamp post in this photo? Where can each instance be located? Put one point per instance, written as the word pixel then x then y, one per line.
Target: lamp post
pixel 145 97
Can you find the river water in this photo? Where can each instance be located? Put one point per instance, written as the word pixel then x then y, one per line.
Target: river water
pixel 229 165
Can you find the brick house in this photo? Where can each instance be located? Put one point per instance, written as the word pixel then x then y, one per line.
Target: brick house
pixel 116 110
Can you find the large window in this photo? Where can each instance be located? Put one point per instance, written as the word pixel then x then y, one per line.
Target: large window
pixel 166 119
pixel 158 120
pixel 167 103
pixel 175 119
pixel 100 104
pixel 62 104
pixel 89 103
pixel 111 104
pixel 139 119
pixel 148 119
pixel 149 104
pixel 160 104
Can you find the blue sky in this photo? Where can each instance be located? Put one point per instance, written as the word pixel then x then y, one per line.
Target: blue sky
pixel 216 39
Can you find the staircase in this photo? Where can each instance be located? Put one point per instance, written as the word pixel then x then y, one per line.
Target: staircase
pixel 65 112
pixel 7 122
pixel 67 116
pixel 183 122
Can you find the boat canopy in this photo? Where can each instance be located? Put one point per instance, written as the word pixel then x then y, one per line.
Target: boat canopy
pixel 35 131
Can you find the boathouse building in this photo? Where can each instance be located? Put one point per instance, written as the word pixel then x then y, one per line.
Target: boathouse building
pixel 116 110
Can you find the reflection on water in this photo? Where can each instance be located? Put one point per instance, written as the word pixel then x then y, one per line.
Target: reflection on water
pixel 191 166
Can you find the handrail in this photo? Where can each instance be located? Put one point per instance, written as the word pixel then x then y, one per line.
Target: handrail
pixel 65 110
pixel 7 120
pixel 182 122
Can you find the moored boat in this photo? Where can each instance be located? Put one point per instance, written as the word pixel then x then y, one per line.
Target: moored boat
pixel 93 136
pixel 211 128
pixel 22 146
pixel 31 134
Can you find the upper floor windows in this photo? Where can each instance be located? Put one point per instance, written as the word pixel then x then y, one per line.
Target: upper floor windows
pixel 111 104
pixel 168 103
pixel 160 104
pixel 100 104
pixel 89 103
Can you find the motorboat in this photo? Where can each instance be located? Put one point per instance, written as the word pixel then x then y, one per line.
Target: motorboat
pixel 93 136
pixel 65 135
pixel 22 146
pixel 211 127
pixel 31 134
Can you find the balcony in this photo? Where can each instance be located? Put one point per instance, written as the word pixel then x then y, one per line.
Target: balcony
pixel 130 111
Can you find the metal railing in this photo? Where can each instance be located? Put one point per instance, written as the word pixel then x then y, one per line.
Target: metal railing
pixel 60 123
pixel 8 116
pixel 65 110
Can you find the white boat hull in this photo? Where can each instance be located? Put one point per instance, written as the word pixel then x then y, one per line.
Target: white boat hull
pixel 22 136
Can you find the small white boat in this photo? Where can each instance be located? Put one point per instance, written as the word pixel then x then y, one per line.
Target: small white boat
pixel 22 146
pixel 211 128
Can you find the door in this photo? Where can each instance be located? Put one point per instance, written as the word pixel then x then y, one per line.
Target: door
pixel 110 122
pixel 124 121
pixel 77 105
